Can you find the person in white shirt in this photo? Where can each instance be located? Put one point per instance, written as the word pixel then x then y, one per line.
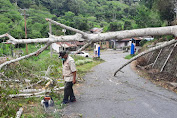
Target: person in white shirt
pixel 69 75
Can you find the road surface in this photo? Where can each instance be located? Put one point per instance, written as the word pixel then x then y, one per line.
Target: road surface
pixel 125 96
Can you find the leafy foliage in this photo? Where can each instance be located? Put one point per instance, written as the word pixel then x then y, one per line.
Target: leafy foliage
pixel 142 42
pixel 111 15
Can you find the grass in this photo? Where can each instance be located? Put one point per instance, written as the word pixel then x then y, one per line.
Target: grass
pixel 83 69
pixel 26 69
pixel 129 56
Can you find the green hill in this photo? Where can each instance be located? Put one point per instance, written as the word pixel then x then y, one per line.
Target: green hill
pixel 111 15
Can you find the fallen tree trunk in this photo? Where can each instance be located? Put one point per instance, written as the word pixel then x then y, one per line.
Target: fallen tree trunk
pixel 38 92
pixel 145 52
pixel 26 56
pixel 170 30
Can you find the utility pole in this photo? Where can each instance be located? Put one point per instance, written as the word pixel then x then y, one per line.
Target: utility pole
pixel 64 30
pixel 25 31
pixel 24 13
pixel 50 31
pixel 175 7
pixel 16 2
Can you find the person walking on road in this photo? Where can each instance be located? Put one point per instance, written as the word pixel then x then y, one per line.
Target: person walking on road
pixel 69 76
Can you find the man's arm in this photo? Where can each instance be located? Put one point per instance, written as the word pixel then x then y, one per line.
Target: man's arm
pixel 74 77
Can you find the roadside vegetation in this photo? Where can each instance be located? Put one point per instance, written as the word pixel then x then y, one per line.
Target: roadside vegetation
pixel 129 56
pixel 30 71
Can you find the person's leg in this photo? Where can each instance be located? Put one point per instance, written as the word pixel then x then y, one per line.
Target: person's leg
pixel 72 97
pixel 66 92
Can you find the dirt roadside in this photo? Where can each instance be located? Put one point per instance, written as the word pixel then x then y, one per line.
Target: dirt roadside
pixel 165 80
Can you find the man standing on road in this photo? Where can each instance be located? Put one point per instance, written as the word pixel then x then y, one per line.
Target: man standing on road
pixel 69 75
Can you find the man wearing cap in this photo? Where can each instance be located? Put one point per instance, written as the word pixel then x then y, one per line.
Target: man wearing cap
pixel 69 75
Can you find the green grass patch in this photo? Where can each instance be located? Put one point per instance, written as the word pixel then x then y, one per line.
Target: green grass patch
pixel 129 56
pixel 83 69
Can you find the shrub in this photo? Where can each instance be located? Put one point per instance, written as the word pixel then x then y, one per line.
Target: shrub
pixel 81 62
pixel 142 42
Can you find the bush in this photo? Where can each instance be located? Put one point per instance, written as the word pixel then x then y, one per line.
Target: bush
pixel 81 62
pixel 7 108
pixel 142 42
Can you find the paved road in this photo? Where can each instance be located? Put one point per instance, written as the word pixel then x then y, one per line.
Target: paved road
pixel 125 96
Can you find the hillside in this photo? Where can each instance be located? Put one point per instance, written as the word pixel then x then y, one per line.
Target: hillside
pixel 81 14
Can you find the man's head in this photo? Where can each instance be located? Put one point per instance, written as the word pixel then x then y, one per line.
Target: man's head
pixel 63 55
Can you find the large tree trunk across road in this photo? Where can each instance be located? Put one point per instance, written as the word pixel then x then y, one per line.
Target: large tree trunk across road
pixel 89 38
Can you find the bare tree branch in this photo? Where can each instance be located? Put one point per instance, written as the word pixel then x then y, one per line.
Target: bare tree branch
pixel 19 112
pixel 26 56
pixel 37 92
pixel 51 39
pixel 4 35
pixel 168 58
pixel 83 47
pixel 67 27
pixel 145 52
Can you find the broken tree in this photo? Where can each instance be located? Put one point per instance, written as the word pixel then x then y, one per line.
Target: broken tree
pixel 89 38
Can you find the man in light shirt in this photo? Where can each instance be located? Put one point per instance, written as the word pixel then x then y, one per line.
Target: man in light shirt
pixel 69 75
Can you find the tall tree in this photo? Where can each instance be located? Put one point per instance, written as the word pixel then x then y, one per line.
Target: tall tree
pixel 166 9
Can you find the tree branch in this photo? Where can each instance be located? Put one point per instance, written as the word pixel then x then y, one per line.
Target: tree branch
pixel 83 47
pixel 37 92
pixel 67 27
pixel 19 112
pixel 26 56
pixel 145 52
pixel 51 39
pixel 4 35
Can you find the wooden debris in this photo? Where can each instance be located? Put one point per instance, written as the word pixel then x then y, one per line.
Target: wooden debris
pixel 174 84
pixel 150 57
pixel 145 67
pixel 19 113
pixel 30 86
pixel 168 58
pixel 29 93
pixel 157 58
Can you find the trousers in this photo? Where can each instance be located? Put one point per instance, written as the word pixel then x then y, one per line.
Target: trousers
pixel 68 92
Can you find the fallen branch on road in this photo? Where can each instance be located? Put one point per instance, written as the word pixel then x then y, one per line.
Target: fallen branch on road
pixel 146 52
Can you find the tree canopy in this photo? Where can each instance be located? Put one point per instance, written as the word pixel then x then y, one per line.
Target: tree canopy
pixel 111 15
